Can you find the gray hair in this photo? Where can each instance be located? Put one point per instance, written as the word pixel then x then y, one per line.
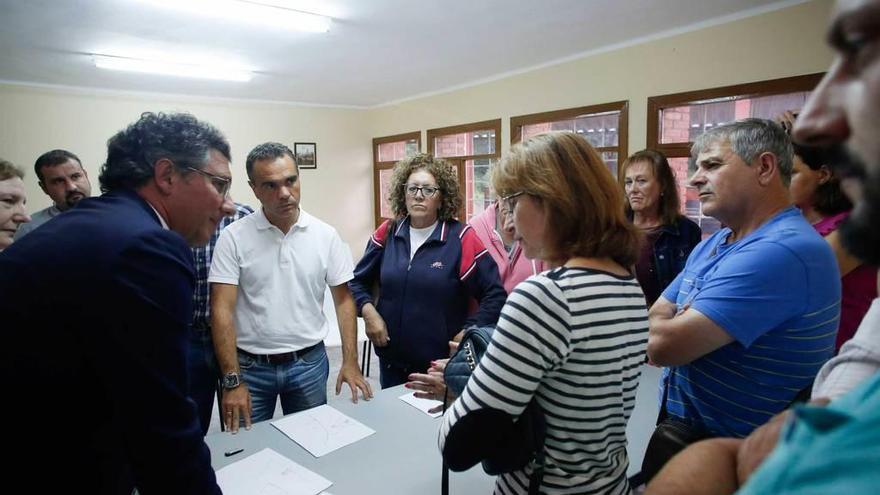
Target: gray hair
pixel 179 137
pixel 749 138
pixel 8 170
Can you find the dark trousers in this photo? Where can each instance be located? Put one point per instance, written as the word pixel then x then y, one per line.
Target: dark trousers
pixel 204 374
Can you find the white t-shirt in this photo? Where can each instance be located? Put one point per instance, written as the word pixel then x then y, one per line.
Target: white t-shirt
pixel 417 237
pixel 281 280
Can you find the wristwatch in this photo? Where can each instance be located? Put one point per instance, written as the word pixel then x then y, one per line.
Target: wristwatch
pixel 231 380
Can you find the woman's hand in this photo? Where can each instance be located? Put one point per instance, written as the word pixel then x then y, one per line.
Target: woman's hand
pixel 430 385
pixel 376 330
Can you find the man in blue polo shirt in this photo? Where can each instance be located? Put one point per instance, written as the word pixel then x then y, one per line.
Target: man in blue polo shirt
pixel 814 449
pixel 754 314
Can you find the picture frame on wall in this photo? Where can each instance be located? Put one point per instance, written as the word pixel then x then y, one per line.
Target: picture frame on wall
pixel 306 155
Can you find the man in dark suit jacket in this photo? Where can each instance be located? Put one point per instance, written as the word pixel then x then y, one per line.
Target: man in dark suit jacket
pixel 94 311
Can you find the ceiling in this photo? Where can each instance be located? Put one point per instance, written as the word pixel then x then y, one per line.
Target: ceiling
pixel 376 52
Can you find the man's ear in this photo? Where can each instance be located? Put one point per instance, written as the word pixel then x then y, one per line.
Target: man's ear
pixel 43 187
pixel 164 175
pixel 768 166
pixel 825 174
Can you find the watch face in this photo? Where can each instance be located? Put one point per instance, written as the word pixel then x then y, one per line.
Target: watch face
pixel 231 380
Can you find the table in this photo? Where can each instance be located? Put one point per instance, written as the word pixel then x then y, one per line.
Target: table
pixel 401 457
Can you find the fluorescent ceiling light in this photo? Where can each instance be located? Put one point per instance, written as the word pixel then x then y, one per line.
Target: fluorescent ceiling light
pixel 171 68
pixel 262 13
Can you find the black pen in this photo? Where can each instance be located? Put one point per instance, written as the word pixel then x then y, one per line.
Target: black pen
pixel 230 453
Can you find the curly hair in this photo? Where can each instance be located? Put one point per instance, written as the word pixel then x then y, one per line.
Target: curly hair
pixel 443 173
pixel 179 137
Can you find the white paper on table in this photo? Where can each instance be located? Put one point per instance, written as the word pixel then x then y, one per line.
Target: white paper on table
pixel 322 429
pixel 269 473
pixel 423 405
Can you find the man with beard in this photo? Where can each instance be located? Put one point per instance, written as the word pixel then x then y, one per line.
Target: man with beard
pixel 62 177
pixel 816 449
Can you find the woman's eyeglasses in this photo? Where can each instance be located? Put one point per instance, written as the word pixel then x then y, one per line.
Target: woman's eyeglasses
pixel 509 201
pixel 427 191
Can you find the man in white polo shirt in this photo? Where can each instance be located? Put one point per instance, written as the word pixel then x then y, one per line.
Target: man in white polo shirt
pixel 268 278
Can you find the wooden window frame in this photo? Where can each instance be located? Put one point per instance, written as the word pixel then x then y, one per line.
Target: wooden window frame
pixel 458 161
pixel 768 87
pixel 622 148
pixel 378 167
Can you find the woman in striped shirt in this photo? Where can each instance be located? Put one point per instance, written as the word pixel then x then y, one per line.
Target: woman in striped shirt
pixel 574 337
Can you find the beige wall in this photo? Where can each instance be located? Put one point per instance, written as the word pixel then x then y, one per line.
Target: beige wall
pixel 36 120
pixel 782 43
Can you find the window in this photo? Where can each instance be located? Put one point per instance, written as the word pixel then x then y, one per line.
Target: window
pixel 604 126
pixel 675 120
pixel 387 151
pixel 472 149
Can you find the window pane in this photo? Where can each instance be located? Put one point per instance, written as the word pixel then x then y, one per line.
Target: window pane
pixel 478 187
pixel 610 159
pixel 600 129
pixel 683 124
pixel 690 201
pixel 384 182
pixel 465 144
pixel 398 150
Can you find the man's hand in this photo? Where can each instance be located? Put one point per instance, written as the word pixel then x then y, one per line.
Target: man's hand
pixel 376 330
pixel 786 120
pixel 757 446
pixel 236 404
pixel 351 374
pixel 679 336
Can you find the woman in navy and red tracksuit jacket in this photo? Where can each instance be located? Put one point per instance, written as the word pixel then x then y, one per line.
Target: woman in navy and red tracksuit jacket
pixel 425 301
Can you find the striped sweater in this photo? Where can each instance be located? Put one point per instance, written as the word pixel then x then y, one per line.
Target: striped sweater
pixel 574 338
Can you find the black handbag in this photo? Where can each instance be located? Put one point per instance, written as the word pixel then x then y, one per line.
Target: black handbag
pixel 501 442
pixel 670 437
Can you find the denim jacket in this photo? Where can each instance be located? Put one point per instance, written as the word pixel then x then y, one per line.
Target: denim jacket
pixel 671 250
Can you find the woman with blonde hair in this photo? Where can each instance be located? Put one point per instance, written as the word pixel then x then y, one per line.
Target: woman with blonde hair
pixel 572 338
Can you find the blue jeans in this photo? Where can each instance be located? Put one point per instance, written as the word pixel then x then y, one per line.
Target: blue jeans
pixel 301 383
pixel 203 374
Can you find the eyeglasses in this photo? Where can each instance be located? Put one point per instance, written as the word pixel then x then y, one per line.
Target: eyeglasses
pixel 427 191
pixel 221 184
pixel 509 201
